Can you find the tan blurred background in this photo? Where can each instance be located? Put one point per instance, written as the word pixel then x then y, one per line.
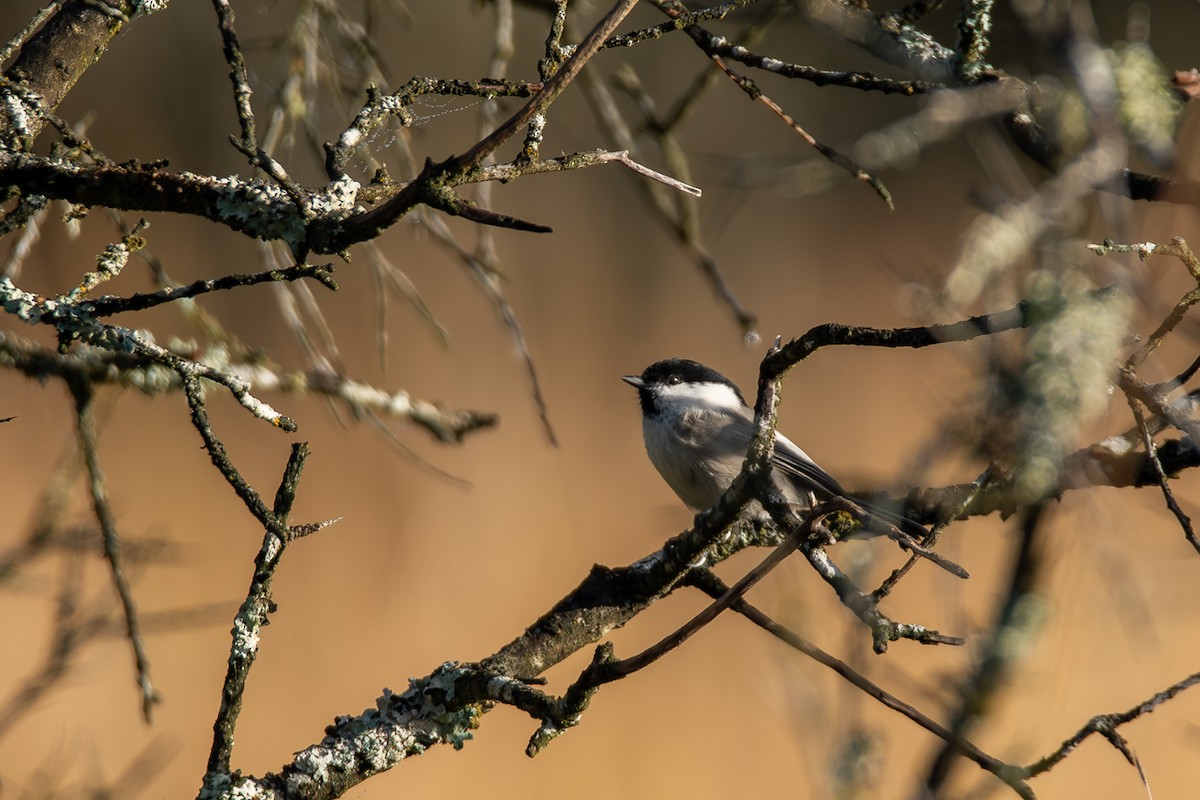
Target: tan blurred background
pixel 423 570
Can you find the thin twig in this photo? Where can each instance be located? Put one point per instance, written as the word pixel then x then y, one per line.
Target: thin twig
pixel 833 156
pixel 503 49
pixel 390 278
pixel 707 78
pixel 81 390
pixel 884 630
pixel 1106 725
pixel 1177 247
pixel 622 157
pixel 701 37
pixel 109 305
pixel 237 74
pixel 51 504
pixel 1185 522
pixel 685 19
pixel 891 580
pixel 615 670
pixel 580 160
pixel 69 633
pixel 1012 623
pixel 681 215
pixel 220 458
pixel 1153 399
pixel 489 282
pixel 836 334
pixel 718 46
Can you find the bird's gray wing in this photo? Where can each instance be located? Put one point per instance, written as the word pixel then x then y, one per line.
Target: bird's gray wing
pixel 805 475
pixel 791 458
pixel 796 463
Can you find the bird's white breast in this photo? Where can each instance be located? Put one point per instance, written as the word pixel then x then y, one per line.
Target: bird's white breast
pixel 681 440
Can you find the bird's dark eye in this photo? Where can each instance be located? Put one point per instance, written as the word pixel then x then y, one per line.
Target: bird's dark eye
pixel 674 379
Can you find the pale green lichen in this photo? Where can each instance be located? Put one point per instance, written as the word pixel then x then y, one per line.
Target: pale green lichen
pixel 108 265
pixel 73 321
pixel 258 207
pixel 150 379
pixel 245 638
pixel 18 115
pixel 426 704
pixel 146 7
pixel 336 201
pixel 1066 379
pixel 922 47
pixel 21 304
pixel 974 25
pixel 1149 109
pixel 228 787
pixel 399 726
pixel 261 208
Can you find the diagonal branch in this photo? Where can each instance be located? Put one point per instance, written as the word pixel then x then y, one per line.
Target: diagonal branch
pixel 1107 724
pixel 714 587
pixel 709 44
pixel 220 458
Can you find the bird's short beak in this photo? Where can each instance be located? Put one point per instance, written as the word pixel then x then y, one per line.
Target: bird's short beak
pixel 634 381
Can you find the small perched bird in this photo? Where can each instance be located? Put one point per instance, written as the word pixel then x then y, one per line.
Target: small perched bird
pixel 698 427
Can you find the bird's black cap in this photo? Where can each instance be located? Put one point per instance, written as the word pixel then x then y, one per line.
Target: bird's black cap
pixel 672 371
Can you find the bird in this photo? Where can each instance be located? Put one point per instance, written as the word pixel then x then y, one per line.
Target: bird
pixel 697 429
